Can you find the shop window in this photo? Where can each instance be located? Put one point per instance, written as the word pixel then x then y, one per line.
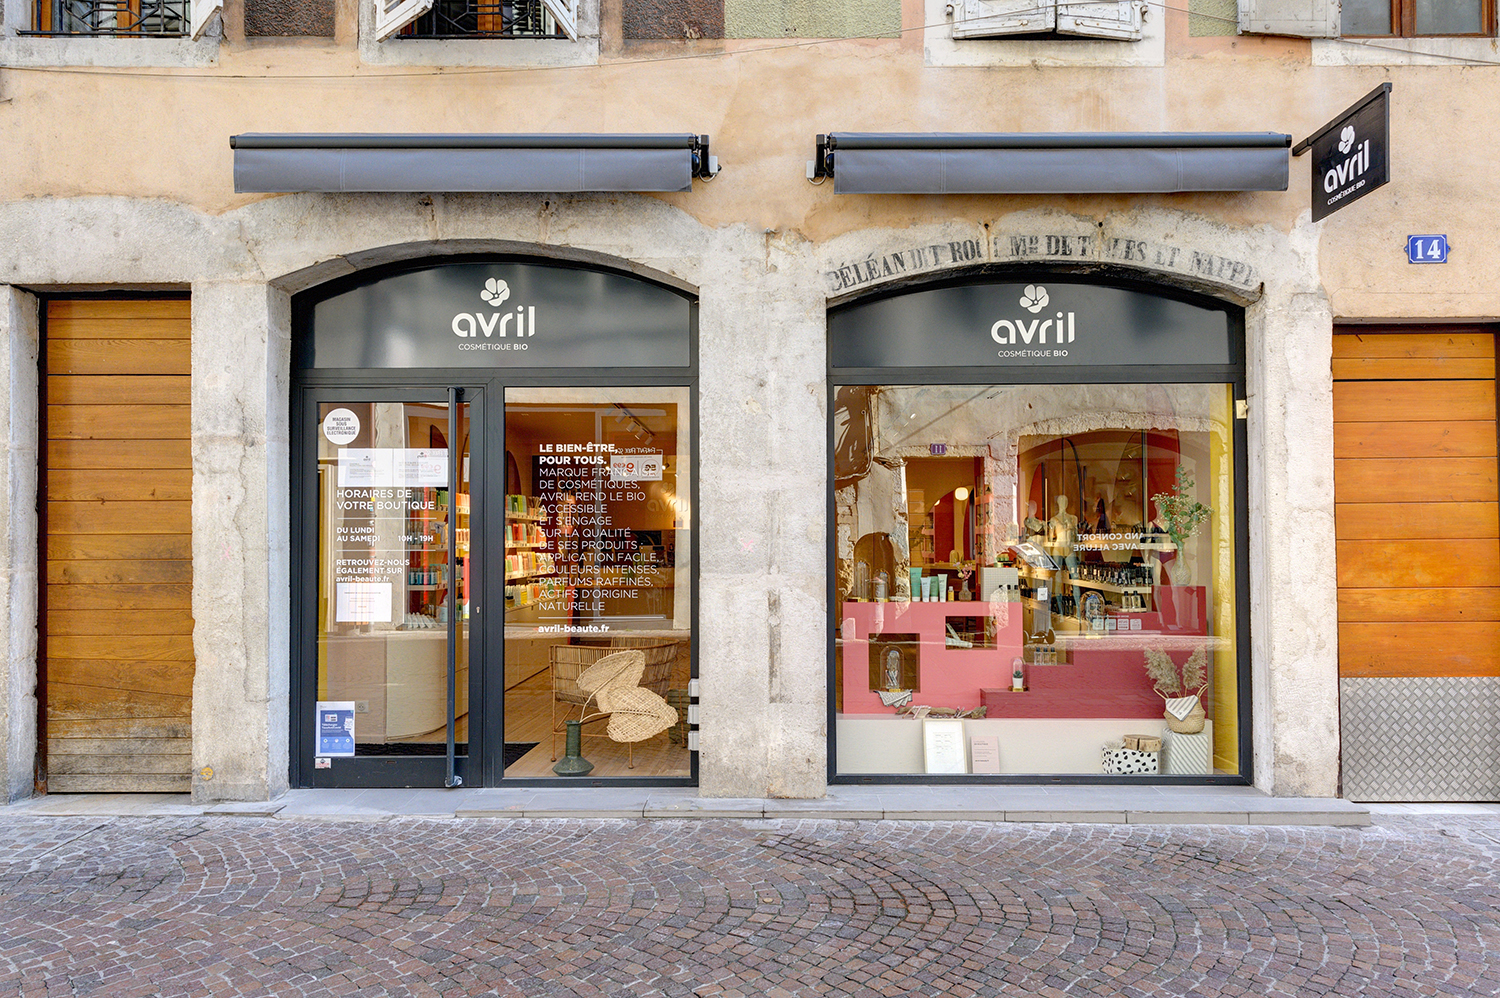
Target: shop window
pixel 438 19
pixel 1064 570
pixel 1056 466
pixel 1416 18
pixel 598 570
pixel 1110 19
pixel 123 18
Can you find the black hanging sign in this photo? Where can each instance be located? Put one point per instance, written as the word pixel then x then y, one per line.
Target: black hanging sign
pixel 1351 154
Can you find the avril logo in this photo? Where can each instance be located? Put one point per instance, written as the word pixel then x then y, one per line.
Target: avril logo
pixel 496 324
pixel 1009 332
pixel 1351 168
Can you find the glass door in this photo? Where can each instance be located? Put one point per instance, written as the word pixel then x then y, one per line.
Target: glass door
pixel 395 583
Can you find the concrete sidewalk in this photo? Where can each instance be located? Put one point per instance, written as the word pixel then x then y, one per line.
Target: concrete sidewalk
pixel 1132 805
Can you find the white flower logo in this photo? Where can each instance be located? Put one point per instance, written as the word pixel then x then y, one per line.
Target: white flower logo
pixel 1035 299
pixel 1346 138
pixel 495 291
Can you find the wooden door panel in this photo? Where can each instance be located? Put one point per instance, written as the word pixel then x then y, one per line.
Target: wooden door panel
pixel 1414 480
pixel 1416 516
pixel 118 356
pixel 1415 520
pixel 111 622
pixel 1470 438
pixel 115 422
pixel 119 390
pixel 119 597
pixel 1461 648
pixel 1419 605
pixel 94 573
pixel 164 676
pixel 1416 564
pixel 78 454
pixel 1397 369
pixel 123 517
pixel 117 621
pixel 1373 401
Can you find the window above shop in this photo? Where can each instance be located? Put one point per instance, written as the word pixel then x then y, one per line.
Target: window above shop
pixel 123 18
pixel 1111 19
pixel 1417 18
pixel 449 19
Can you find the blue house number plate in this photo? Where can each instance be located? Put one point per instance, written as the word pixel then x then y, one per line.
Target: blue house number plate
pixel 1426 249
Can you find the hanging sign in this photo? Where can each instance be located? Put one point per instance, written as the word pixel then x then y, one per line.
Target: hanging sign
pixel 1351 154
pixel 1427 249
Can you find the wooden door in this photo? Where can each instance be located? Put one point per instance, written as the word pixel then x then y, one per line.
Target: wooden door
pixel 117 635
pixel 1418 561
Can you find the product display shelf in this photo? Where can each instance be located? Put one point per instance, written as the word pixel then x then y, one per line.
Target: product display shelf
pixel 427 539
pixel 527 564
pixel 1108 587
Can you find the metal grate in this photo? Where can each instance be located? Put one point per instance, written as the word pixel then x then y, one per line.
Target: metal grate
pixel 481 19
pixel 160 18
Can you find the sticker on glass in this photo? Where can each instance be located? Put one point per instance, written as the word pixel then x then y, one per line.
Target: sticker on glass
pixel 341 426
pixel 635 467
pixel 335 728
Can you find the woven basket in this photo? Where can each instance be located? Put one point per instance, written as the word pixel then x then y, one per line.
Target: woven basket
pixel 1190 725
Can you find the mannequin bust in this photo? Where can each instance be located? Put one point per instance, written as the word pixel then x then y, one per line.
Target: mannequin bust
pixel 1064 526
pixel 1034 527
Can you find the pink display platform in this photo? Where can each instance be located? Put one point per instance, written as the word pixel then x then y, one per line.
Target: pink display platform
pixel 949 677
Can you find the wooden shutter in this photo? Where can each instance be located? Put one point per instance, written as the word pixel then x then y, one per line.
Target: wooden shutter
pixel 1416 503
pixel 393 15
pixel 1300 18
pixel 1117 19
pixel 118 628
pixel 202 12
pixel 565 12
pixel 995 18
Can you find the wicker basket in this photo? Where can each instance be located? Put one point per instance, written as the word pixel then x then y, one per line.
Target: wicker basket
pixel 1189 725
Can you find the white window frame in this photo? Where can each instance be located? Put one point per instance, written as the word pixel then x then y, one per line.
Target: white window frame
pixel 1117 20
pixel 197 48
pixel 393 15
pixel 380 21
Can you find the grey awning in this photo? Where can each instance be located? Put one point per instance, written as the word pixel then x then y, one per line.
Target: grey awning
pixel 268 163
pixel 1064 163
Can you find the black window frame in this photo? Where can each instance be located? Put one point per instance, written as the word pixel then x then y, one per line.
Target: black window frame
pixel 1232 374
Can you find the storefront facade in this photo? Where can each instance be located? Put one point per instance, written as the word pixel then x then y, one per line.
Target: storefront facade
pixel 357 520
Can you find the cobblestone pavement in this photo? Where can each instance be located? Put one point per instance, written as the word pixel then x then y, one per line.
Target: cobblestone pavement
pixel 216 906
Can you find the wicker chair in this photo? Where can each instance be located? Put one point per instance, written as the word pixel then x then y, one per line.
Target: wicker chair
pixel 602 682
pixel 661 658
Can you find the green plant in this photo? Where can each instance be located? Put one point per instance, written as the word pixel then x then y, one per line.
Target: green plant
pixel 1178 511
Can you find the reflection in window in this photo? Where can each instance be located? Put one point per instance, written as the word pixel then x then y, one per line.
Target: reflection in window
pixel 1079 543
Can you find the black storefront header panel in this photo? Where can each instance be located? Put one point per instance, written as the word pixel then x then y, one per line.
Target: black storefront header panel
pixel 1051 323
pixel 501 315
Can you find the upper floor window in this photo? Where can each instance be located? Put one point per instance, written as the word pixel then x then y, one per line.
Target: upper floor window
pixel 1111 19
pixel 122 18
pixel 476 19
pixel 1413 18
pixel 111 17
pixel 485 19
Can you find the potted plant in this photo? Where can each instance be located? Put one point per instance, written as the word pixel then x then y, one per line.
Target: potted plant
pixel 1181 687
pixel 1181 514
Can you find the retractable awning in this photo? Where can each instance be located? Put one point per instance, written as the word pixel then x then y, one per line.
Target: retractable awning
pixel 287 163
pixel 1060 163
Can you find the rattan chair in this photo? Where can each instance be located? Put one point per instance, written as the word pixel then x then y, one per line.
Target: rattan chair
pixel 604 682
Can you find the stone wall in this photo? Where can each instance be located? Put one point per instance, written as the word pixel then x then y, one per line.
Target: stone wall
pixel 762 413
